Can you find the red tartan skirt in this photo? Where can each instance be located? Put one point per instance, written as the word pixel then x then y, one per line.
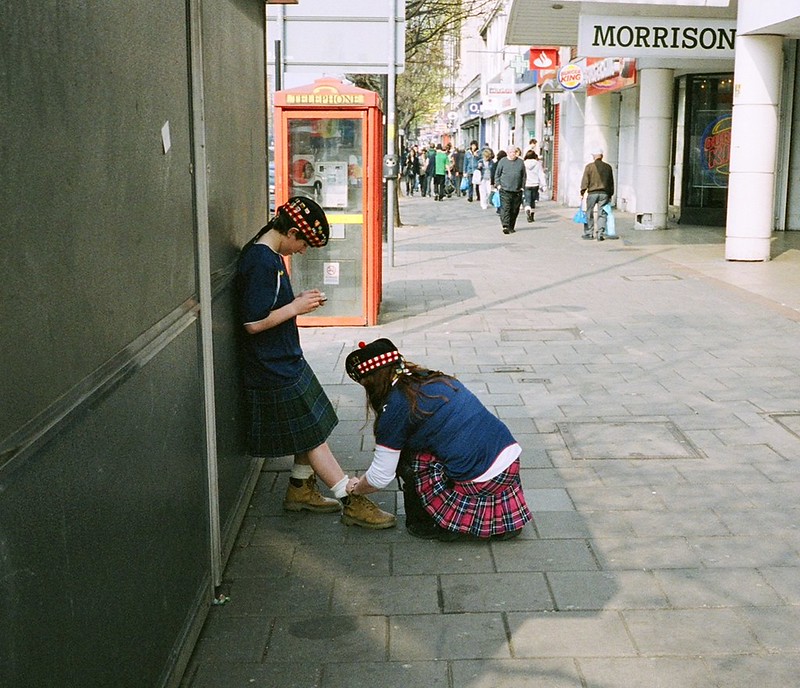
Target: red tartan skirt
pixel 484 509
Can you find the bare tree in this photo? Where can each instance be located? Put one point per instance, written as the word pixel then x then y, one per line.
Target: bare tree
pixel 422 89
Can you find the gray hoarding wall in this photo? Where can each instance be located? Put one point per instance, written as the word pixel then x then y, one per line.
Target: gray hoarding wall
pixel 105 527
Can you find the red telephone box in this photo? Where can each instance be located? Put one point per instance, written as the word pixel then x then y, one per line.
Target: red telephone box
pixel 328 146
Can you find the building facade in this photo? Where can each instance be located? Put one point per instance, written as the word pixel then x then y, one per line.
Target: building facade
pixel 693 106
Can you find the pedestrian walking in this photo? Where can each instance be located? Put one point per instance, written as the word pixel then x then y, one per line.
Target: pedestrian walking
pixel 457 171
pixel 430 172
pixel 534 181
pixel 598 185
pixel 411 169
pixel 486 167
pixel 441 161
pixel 509 180
pixel 457 463
pixel 290 414
pixel 471 160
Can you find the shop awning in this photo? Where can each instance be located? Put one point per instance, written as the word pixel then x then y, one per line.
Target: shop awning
pixel 555 22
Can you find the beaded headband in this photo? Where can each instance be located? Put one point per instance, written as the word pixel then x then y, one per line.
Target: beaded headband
pixel 371 357
pixel 309 218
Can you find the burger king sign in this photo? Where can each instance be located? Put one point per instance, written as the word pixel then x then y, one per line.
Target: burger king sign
pixel 570 76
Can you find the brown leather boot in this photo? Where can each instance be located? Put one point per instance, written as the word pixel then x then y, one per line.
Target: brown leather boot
pixel 360 511
pixel 308 497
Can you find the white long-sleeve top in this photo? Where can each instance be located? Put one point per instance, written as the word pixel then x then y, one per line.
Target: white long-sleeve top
pixel 534 173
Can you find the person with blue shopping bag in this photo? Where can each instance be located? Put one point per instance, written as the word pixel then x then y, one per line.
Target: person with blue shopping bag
pixel 598 185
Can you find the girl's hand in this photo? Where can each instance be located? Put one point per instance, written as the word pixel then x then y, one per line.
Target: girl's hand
pixel 308 301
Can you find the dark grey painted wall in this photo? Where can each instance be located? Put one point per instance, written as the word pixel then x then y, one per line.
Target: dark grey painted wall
pixel 105 547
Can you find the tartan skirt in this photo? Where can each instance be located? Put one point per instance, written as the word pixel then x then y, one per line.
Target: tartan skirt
pixel 289 420
pixel 484 509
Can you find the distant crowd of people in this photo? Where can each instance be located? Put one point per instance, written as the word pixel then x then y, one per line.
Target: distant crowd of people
pixel 506 180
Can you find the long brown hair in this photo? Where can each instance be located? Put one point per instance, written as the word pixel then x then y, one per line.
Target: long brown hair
pixel 410 380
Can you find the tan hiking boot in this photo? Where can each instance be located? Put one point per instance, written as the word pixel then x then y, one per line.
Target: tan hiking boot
pixel 308 497
pixel 360 511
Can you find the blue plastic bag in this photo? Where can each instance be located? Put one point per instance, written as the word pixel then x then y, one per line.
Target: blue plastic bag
pixel 465 183
pixel 580 217
pixel 496 199
pixel 611 225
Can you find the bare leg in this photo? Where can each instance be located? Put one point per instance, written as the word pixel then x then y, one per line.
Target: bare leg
pixel 324 463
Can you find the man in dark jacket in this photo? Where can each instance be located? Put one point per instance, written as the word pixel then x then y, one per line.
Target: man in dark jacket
pixel 509 179
pixel 598 185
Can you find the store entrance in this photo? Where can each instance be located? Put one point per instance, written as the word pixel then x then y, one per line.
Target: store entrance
pixel 704 105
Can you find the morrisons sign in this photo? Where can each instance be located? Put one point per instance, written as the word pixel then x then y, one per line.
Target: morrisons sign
pixel 609 36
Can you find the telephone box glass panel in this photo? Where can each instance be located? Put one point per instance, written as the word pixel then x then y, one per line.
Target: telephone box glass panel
pixel 325 157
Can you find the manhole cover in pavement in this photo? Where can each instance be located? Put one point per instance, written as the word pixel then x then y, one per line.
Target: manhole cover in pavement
pixel 541 335
pixel 650 278
pixel 620 440
pixel 789 421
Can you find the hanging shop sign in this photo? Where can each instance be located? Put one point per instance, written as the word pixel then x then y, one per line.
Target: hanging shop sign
pixel 543 58
pixel 570 77
pixel 609 74
pixel 542 65
pixel 500 89
pixel 607 36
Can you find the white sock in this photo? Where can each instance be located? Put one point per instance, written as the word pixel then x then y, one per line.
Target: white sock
pixel 340 489
pixel 301 471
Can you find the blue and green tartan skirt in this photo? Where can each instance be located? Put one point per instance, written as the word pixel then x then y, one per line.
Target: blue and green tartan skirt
pixel 289 420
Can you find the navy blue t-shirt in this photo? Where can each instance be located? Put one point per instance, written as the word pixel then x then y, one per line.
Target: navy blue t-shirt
pixel 451 423
pixel 272 358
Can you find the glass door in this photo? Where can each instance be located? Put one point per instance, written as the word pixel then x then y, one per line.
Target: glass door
pixel 708 110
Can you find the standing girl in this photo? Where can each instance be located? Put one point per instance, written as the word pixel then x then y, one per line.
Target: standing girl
pixel 290 414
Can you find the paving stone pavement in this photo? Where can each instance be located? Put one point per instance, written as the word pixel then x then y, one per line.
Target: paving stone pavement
pixel 654 389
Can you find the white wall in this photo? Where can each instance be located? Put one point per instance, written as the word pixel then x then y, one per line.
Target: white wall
pixel 571 157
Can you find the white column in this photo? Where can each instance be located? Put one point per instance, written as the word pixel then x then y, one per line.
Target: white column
pixel 653 148
pixel 754 142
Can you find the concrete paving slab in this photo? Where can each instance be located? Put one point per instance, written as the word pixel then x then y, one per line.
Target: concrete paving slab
pixel 771 671
pixel 569 634
pixel 544 555
pixel 653 672
pixel 319 639
pixel 690 632
pixel 384 675
pixel 605 590
pixel 367 595
pixel 232 674
pixel 448 636
pixel 693 588
pixel 516 673
pixel 498 592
